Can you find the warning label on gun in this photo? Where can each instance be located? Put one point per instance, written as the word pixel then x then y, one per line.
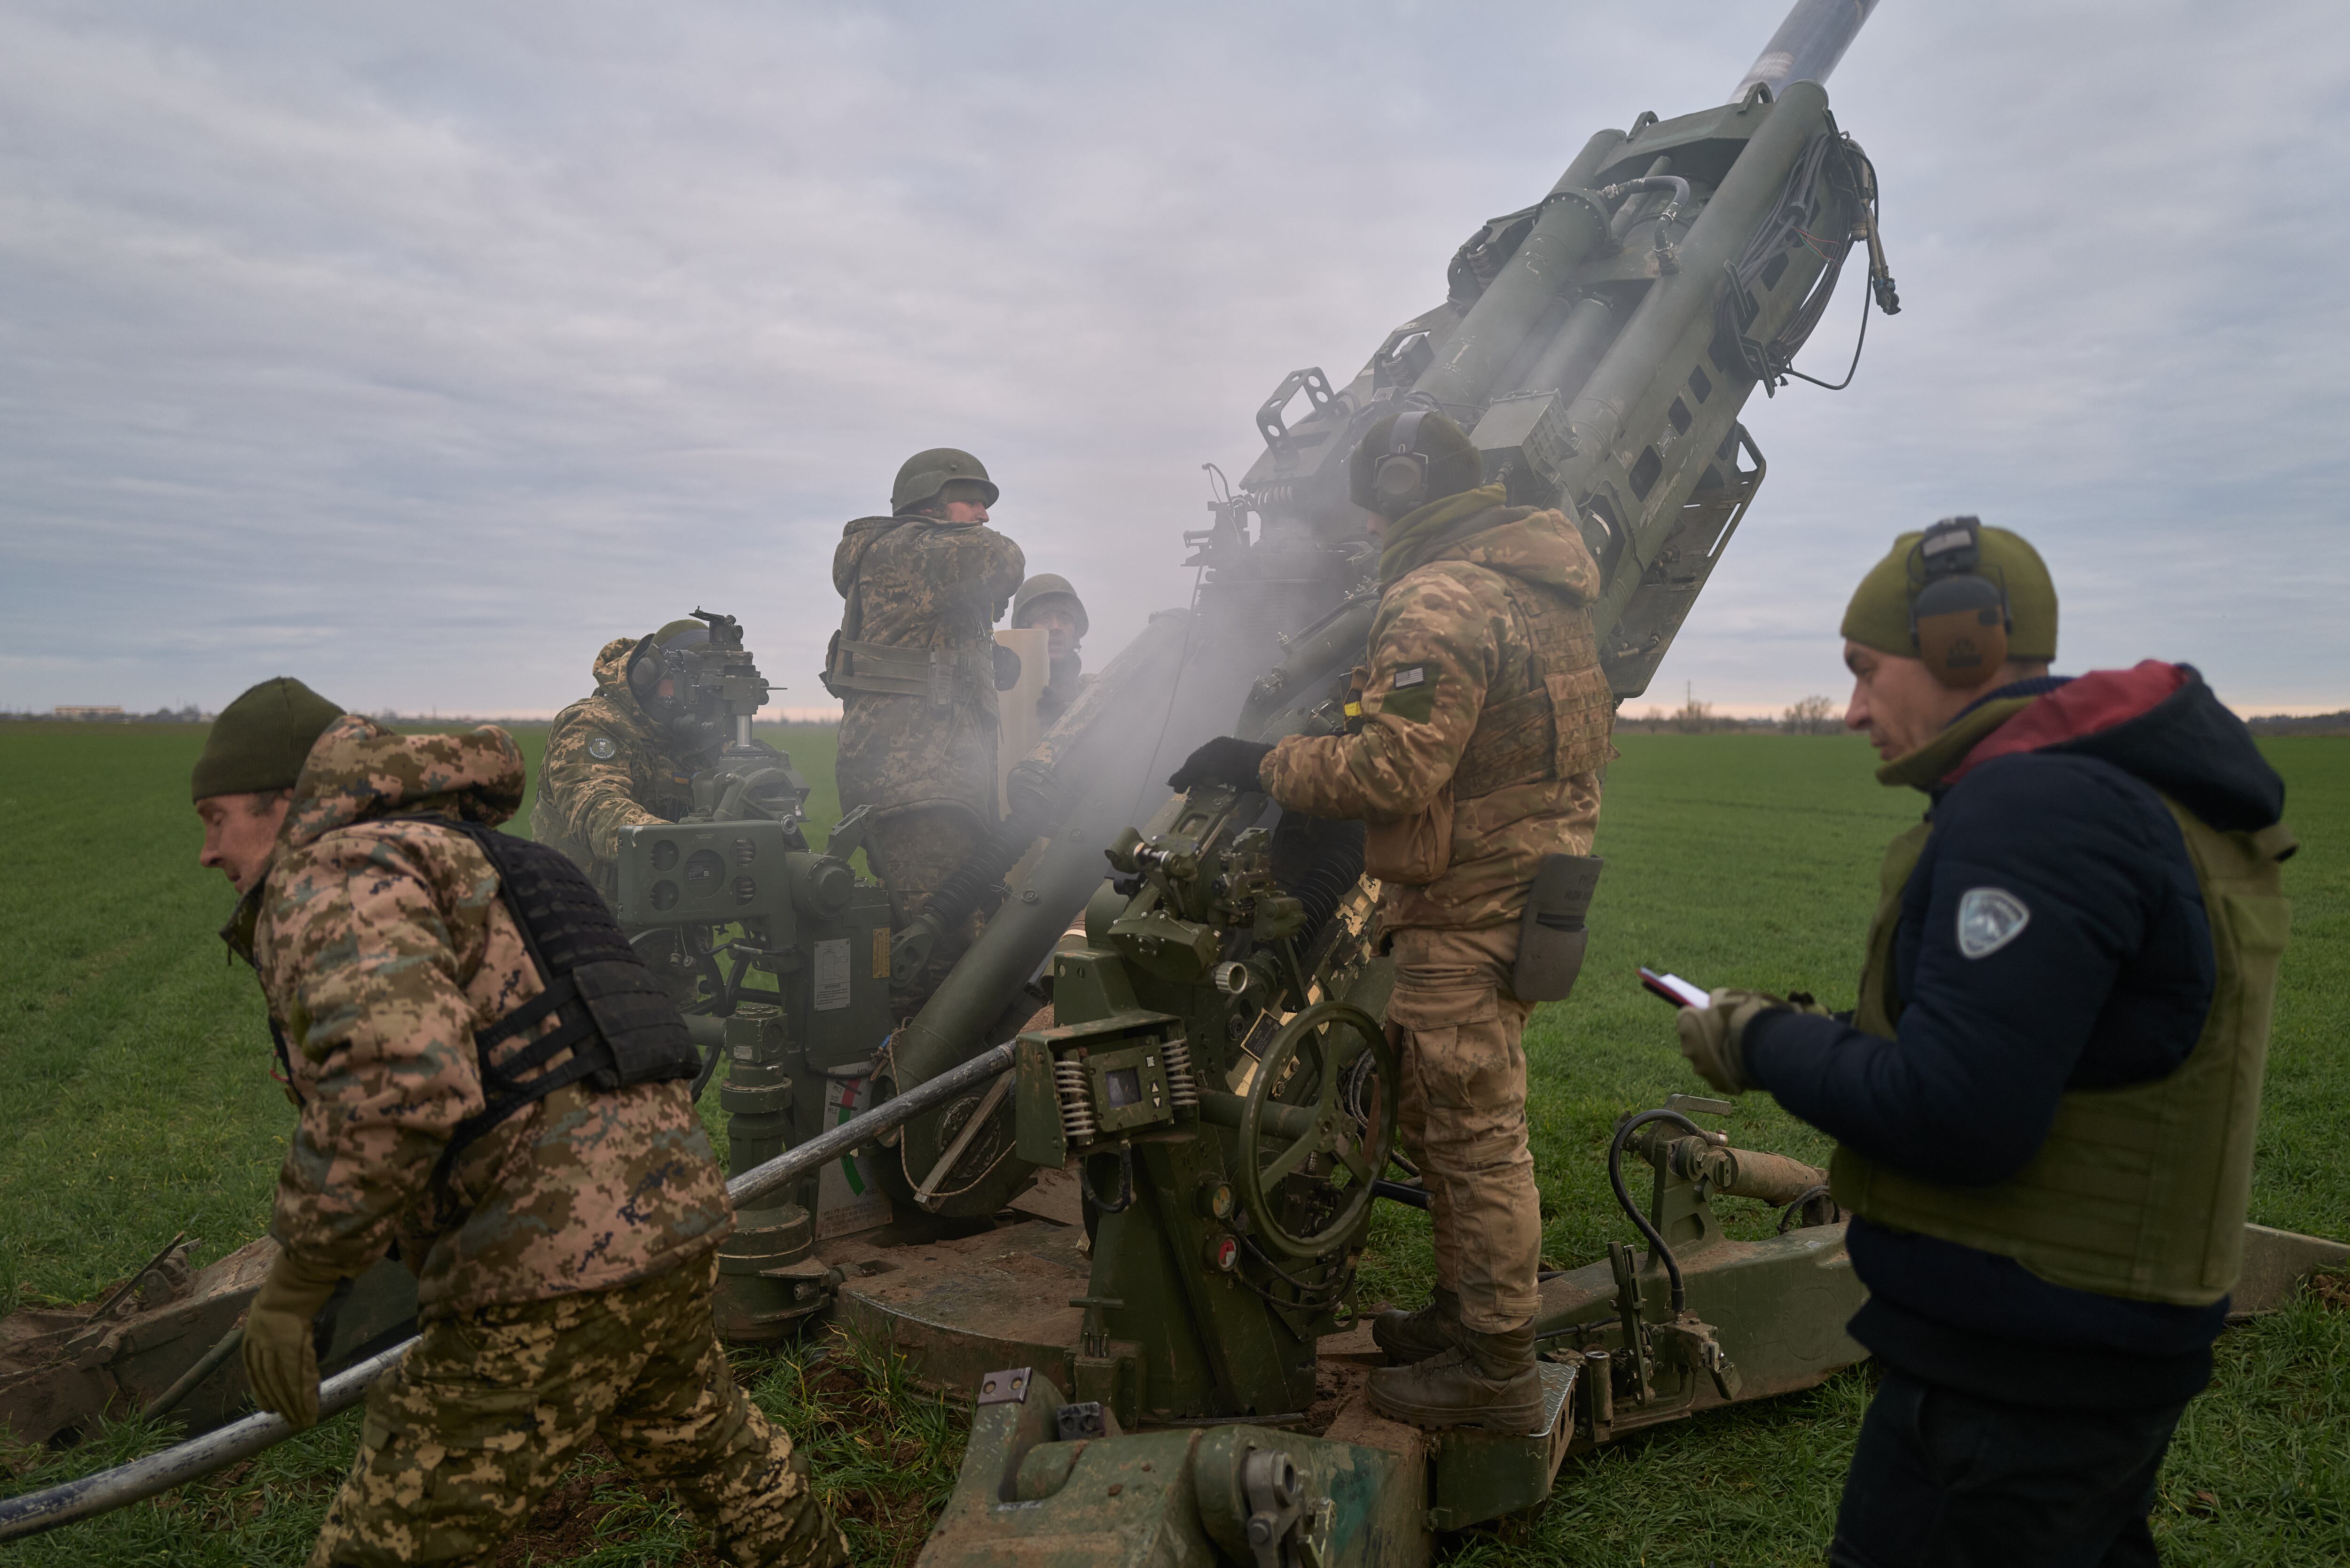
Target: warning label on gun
pixel 848 1198
pixel 832 974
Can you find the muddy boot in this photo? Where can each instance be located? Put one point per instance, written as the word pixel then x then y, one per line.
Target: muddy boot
pixel 1409 1337
pixel 1487 1381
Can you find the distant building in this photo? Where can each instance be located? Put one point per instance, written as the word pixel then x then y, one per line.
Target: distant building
pixel 90 712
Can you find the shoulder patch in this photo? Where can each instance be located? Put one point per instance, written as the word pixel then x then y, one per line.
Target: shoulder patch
pixel 1989 918
pixel 1410 675
pixel 603 748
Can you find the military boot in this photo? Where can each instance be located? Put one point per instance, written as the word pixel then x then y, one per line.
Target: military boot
pixel 1409 1337
pixel 1487 1380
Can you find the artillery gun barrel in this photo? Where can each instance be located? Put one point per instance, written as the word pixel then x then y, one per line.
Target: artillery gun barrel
pixel 90 1495
pixel 1807 45
pixel 1680 304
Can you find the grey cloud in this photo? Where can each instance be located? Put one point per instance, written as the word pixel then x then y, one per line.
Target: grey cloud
pixel 419 351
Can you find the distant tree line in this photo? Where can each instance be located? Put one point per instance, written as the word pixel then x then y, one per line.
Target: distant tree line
pixel 2336 724
pixel 1811 716
pixel 191 715
pixel 1818 715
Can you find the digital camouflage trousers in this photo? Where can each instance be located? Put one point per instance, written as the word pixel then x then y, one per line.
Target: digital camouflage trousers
pixel 913 852
pixel 1458 1035
pixel 481 1418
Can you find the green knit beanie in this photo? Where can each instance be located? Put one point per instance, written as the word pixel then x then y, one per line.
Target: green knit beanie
pixel 1878 616
pixel 260 742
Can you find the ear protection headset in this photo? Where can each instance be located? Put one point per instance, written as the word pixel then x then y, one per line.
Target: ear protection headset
pixel 651 661
pixel 1399 478
pixel 1959 619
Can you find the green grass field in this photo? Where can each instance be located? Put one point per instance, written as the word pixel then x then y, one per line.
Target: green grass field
pixel 133 1062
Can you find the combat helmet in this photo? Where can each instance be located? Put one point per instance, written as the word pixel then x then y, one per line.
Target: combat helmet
pixel 926 474
pixel 1408 458
pixel 1048 586
pixel 647 665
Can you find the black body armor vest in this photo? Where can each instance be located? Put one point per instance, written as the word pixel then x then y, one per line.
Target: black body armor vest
pixel 619 1025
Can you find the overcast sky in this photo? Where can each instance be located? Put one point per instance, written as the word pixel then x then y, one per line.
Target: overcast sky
pixel 415 351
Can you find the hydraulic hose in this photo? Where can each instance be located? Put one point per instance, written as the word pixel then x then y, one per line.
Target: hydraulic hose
pixel 68 1501
pixel 1616 1179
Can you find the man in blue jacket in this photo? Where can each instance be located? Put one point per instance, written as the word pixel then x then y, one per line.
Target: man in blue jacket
pixel 2046 1097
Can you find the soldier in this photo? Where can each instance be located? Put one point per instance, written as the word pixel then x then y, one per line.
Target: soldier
pixel 1047 601
pixel 914 664
pixel 2048 1098
pixel 1485 719
pixel 612 761
pixel 536 1164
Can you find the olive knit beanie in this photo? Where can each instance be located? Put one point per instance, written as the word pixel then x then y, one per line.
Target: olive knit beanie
pixel 260 742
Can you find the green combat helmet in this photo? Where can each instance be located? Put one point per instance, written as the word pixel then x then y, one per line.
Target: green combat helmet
pixel 927 472
pixel 1048 586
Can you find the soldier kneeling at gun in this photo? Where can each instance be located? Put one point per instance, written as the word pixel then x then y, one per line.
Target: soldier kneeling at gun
pixel 488 1079
pixel 626 756
pixel 1484 721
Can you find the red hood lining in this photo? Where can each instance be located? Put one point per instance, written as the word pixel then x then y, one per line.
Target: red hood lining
pixel 2098 701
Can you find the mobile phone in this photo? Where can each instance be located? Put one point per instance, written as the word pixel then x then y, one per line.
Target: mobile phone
pixel 1673 989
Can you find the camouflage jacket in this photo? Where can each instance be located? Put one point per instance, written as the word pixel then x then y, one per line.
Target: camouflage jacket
pixel 606 768
pixel 1483 681
pixel 382 948
pixel 915 582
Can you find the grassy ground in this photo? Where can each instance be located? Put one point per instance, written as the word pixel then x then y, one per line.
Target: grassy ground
pixel 133 1052
pixel 133 1067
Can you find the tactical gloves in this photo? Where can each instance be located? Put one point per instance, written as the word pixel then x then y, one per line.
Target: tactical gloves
pixel 280 1361
pixel 1713 1037
pixel 1226 760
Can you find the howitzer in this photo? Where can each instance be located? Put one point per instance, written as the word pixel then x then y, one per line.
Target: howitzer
pixel 1214 1077
pixel 1599 345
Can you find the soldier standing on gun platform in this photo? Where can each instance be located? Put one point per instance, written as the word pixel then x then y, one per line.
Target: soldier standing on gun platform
pixel 1048 602
pixel 612 761
pixel 915 666
pixel 1485 720
pixel 539 1168
pixel 2048 1098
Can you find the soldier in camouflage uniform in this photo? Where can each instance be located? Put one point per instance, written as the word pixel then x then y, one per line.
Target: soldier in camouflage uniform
pixel 610 763
pixel 914 665
pixel 1046 601
pixel 1485 720
pixel 565 1256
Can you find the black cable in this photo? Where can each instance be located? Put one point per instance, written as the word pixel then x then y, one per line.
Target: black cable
pixel 1125 1155
pixel 1787 1214
pixel 1657 1247
pixel 1851 369
pixel 709 1070
pixel 1838 163
pixel 1313 1298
